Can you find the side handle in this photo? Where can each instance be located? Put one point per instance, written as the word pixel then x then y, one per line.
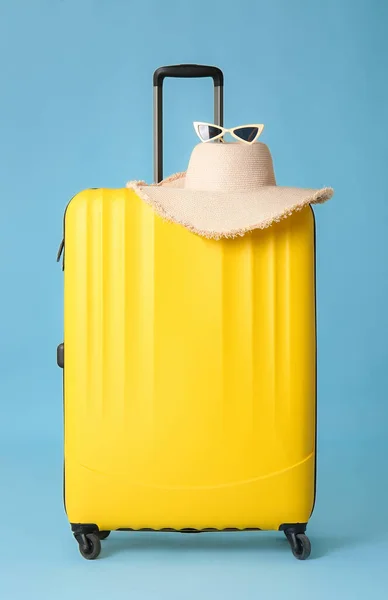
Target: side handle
pixel 60 355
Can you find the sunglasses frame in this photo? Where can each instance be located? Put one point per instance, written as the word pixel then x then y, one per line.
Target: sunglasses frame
pixel 224 130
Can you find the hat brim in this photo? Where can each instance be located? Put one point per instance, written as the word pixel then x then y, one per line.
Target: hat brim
pixel 216 214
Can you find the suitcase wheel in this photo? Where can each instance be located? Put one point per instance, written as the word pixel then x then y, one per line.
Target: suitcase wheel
pixel 300 545
pixel 90 546
pixel 103 534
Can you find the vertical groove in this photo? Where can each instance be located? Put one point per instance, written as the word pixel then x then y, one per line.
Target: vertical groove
pixel 115 353
pixel 252 330
pixel 272 342
pixel 281 335
pixel 88 299
pixel 87 334
pixel 223 384
pixel 91 272
pixel 256 363
pixel 126 275
pixel 287 277
pixel 82 281
pixel 153 275
pixel 105 302
pixel 278 330
pixel 147 316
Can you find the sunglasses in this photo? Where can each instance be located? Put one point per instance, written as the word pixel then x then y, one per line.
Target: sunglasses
pixel 208 132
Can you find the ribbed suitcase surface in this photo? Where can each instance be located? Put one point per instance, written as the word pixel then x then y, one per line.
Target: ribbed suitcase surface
pixel 189 370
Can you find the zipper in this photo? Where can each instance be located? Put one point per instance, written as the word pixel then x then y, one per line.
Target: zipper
pixel 61 249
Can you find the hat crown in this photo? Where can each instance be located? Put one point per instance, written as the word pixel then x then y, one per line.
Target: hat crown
pixel 230 167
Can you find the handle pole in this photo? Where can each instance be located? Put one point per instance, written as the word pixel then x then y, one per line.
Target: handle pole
pixel 219 106
pixel 158 133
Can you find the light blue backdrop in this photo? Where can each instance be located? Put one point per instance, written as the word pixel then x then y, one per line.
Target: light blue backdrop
pixel 75 110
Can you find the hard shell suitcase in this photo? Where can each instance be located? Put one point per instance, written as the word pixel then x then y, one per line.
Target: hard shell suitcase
pixel 189 369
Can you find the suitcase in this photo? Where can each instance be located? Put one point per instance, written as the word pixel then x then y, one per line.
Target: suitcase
pixel 189 371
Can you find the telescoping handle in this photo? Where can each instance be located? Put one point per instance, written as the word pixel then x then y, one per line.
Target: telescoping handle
pixel 186 71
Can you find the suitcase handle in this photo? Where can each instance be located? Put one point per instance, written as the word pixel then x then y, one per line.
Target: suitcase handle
pixel 189 71
pixel 186 71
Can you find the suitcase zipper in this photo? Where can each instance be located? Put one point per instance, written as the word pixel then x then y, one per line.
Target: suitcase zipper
pixel 61 250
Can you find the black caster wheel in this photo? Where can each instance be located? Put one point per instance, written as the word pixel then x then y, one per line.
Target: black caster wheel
pixel 92 549
pixel 300 545
pixel 103 534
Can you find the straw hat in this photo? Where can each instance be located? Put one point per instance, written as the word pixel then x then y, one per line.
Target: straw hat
pixel 227 190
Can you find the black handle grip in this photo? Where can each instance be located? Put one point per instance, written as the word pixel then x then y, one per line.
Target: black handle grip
pixel 60 355
pixel 188 71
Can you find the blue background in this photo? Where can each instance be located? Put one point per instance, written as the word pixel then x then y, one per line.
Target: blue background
pixel 76 112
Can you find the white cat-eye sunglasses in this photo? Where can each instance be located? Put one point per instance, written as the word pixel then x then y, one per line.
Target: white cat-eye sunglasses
pixel 208 132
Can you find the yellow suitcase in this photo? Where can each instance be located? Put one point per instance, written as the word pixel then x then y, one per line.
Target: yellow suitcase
pixel 189 374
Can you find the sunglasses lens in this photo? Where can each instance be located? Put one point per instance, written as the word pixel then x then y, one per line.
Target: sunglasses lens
pixel 208 132
pixel 246 133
